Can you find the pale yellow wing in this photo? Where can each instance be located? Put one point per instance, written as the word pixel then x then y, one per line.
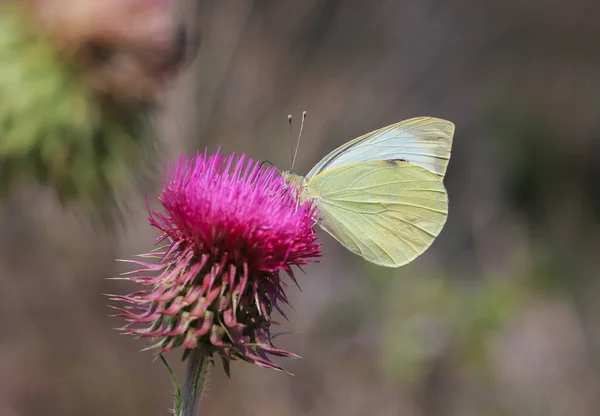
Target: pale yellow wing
pixel 423 141
pixel 387 211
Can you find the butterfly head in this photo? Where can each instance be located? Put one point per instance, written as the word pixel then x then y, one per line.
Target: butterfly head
pixel 292 178
pixel 298 183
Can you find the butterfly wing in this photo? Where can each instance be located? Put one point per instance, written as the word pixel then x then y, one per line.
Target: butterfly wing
pixel 422 141
pixel 387 211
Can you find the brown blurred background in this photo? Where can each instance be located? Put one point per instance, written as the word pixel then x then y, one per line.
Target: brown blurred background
pixel 499 317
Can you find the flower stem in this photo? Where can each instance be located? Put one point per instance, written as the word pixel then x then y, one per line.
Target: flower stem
pixel 195 378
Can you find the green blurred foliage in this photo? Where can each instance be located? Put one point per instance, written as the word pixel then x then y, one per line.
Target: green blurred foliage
pixel 55 130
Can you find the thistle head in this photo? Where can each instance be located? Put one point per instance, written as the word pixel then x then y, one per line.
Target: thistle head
pixel 232 228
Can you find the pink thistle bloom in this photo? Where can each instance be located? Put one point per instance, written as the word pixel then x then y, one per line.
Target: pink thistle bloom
pixel 232 226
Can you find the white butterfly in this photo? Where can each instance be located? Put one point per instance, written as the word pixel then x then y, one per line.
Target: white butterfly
pixel 382 195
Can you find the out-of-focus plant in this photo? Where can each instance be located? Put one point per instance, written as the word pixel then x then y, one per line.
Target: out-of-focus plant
pixel 439 317
pixel 77 82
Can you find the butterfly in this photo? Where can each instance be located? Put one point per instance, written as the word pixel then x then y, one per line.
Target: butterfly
pixel 382 195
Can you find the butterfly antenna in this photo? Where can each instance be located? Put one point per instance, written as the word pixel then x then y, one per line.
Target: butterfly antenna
pixel 299 136
pixel 291 141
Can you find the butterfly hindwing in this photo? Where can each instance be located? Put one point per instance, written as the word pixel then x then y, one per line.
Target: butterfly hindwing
pixel 387 211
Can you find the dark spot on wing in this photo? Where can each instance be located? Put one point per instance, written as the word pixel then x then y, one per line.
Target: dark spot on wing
pixel 393 161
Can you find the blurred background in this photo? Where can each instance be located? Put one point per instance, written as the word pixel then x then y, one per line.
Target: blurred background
pixel 499 317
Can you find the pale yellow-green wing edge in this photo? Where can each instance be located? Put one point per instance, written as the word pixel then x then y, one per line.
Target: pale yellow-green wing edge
pixel 422 141
pixel 388 212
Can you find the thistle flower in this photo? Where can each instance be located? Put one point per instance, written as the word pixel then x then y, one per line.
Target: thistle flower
pixel 232 227
pixel 76 87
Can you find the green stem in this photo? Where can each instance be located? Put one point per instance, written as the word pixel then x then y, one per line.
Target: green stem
pixel 195 378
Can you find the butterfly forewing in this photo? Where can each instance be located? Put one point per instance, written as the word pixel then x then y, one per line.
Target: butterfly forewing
pixel 422 141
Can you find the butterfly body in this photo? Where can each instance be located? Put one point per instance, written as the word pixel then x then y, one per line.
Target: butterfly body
pixel 382 195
